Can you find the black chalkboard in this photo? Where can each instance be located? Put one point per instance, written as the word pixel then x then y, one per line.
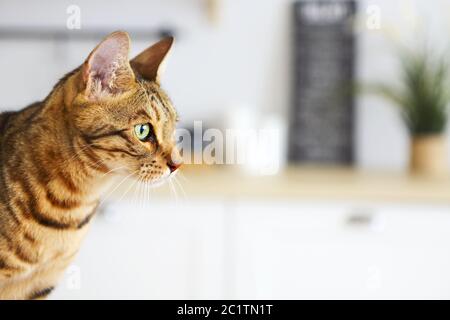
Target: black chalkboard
pixel 321 122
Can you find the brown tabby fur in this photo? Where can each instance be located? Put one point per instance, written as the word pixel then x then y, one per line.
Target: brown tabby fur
pixel 56 155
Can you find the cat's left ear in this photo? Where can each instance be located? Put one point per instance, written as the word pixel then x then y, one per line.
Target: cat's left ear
pixel 150 62
pixel 107 70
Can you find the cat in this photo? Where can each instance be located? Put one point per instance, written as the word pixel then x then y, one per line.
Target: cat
pixel 107 116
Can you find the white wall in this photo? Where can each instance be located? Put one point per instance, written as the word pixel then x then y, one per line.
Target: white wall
pixel 382 139
pixel 243 59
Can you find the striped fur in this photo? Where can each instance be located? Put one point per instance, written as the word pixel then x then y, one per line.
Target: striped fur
pixel 56 155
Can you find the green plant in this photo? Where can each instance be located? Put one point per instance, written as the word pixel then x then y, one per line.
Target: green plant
pixel 424 95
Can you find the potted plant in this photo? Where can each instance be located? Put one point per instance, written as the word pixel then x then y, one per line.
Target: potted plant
pixel 423 101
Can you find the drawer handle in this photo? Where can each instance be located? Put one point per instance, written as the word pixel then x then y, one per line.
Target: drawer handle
pixel 363 219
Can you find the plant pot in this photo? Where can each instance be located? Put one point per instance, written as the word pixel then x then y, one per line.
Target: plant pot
pixel 429 155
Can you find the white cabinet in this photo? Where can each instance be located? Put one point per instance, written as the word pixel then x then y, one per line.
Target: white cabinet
pixel 341 251
pixel 262 250
pixel 153 252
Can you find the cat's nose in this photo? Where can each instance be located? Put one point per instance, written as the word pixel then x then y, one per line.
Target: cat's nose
pixel 175 161
pixel 173 166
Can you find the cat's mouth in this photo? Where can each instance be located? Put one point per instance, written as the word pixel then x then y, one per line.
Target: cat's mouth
pixel 158 181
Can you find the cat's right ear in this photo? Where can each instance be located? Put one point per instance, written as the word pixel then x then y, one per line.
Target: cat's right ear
pixel 107 70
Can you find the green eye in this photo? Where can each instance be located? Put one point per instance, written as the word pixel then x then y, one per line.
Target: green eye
pixel 142 131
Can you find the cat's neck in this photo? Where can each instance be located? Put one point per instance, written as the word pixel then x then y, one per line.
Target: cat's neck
pixel 75 167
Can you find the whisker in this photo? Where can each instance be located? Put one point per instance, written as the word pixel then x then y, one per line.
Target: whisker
pixel 149 190
pixel 139 194
pixel 182 175
pixel 129 188
pixel 173 191
pixel 150 193
pixel 143 194
pixel 180 186
pixel 112 170
pixel 146 197
pixel 117 186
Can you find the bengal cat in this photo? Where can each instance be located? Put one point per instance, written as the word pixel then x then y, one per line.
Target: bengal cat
pixel 109 115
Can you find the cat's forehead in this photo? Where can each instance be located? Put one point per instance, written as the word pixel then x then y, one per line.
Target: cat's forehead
pixel 154 90
pixel 159 102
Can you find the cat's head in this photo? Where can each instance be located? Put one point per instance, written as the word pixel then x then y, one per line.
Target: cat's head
pixel 122 113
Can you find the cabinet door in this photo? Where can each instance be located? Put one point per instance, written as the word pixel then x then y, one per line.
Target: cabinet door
pixel 298 250
pixel 157 251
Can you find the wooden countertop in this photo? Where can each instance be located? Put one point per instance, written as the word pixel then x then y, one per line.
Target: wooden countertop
pixel 308 183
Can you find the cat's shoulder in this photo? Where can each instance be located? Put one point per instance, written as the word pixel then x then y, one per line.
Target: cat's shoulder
pixel 10 118
pixel 4 119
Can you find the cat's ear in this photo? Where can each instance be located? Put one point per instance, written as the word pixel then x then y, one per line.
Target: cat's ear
pixel 150 62
pixel 107 70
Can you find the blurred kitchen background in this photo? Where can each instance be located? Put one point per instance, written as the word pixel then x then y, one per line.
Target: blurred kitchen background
pixel 359 203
